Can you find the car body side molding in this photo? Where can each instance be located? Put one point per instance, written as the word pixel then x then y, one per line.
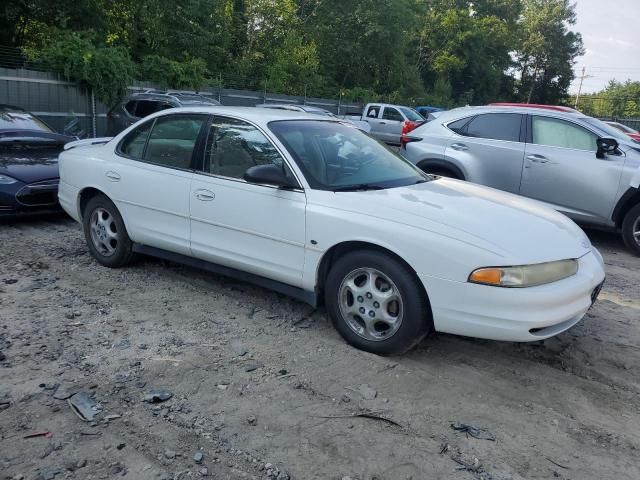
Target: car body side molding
pixel 310 298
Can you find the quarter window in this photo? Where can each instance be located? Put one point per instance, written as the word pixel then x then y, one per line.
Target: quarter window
pixel 558 133
pixel 459 125
pixel 173 139
pixel 233 146
pixel 495 126
pixel 392 114
pixel 133 144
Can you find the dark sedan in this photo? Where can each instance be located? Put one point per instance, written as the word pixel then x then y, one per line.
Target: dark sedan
pixel 28 163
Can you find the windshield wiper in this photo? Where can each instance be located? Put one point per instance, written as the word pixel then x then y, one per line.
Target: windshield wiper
pixel 359 187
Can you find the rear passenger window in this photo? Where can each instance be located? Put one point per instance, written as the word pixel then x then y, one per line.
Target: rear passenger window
pixel 173 139
pixel 147 107
pixel 130 107
pixel 496 126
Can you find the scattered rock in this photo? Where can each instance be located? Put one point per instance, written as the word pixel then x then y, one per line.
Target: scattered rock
pixel 84 406
pixel 197 457
pixel 170 454
pixel 345 398
pixel 252 420
pixel 367 392
pixel 238 348
pixel 157 396
pixel 2 356
pixel 253 366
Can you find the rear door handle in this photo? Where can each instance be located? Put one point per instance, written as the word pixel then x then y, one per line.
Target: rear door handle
pixel 113 176
pixel 204 195
pixel 460 147
pixel 537 158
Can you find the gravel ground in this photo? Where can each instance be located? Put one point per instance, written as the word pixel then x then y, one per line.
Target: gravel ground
pixel 263 387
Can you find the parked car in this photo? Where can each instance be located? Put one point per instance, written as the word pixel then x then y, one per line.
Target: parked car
pixel 320 211
pixel 429 112
pixel 139 105
pixel 364 126
pixel 389 122
pixel 29 151
pixel 633 134
pixel 576 164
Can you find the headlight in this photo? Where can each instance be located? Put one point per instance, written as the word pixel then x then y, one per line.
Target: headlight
pixel 6 180
pixel 525 275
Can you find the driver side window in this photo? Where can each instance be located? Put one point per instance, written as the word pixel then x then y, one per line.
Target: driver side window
pixel 233 146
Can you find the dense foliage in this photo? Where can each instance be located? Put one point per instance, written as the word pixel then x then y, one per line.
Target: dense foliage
pixel 618 99
pixel 443 52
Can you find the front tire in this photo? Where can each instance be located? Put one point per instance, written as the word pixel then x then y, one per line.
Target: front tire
pixel 105 233
pixel 376 303
pixel 631 229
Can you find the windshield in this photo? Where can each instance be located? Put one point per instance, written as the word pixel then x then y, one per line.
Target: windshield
pixel 607 130
pixel 334 156
pixel 411 114
pixel 17 120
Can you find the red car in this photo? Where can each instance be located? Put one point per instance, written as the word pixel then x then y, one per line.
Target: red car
pixel 634 134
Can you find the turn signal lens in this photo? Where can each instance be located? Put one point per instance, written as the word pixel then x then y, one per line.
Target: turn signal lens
pixel 489 276
pixel 525 275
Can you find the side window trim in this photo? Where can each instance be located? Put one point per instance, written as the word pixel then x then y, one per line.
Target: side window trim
pixel 201 169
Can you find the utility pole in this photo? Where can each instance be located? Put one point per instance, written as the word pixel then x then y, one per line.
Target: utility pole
pixel 582 77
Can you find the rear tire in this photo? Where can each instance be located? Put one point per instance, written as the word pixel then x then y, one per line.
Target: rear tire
pixel 376 303
pixel 631 229
pixel 105 233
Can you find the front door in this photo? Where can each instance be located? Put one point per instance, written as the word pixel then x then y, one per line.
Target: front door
pixel 561 169
pixel 391 125
pixel 256 228
pixel 490 147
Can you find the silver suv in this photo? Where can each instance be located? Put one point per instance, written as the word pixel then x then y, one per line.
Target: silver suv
pixel 576 164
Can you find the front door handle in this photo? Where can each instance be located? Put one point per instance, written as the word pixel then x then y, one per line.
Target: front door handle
pixel 204 195
pixel 113 176
pixel 534 158
pixel 383 123
pixel 460 147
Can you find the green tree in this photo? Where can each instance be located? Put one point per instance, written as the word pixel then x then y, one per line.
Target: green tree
pixel 547 50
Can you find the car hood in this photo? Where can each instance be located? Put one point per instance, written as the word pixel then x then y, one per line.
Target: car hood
pixel 30 164
pixel 518 230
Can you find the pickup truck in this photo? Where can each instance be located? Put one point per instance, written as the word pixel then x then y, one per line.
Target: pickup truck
pixel 388 122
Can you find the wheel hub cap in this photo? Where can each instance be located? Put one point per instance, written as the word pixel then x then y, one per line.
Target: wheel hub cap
pixel 104 233
pixel 371 304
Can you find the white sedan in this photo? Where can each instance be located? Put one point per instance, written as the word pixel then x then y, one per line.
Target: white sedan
pixel 318 210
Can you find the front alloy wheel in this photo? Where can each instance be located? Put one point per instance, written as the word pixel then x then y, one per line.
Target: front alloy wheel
pixel 377 303
pixel 631 229
pixel 371 304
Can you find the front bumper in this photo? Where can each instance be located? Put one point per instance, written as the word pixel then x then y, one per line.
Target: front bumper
pixel 19 199
pixel 515 314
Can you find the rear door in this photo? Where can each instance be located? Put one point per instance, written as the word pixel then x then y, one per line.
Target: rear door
pixel 561 168
pixel 150 177
pixel 490 146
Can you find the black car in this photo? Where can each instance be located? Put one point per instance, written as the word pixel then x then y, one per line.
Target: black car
pixel 139 105
pixel 28 163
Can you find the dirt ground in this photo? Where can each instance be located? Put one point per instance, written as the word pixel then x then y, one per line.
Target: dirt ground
pixel 263 387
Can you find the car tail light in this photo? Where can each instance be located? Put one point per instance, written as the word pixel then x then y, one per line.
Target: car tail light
pixel 404 139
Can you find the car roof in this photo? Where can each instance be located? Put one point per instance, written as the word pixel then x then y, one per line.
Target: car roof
pixel 180 97
pixel 253 114
pixel 462 112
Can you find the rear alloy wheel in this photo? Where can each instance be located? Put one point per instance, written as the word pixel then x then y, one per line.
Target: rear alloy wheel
pixel 631 229
pixel 105 233
pixel 376 303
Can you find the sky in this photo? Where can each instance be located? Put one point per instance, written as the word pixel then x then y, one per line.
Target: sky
pixel 611 35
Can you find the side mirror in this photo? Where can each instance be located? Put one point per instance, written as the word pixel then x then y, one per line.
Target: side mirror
pixel 268 175
pixel 605 146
